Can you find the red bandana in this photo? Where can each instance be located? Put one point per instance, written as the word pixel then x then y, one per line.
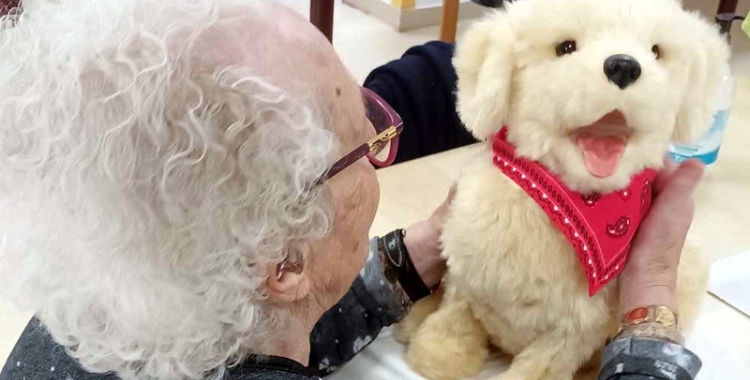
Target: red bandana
pixel 599 227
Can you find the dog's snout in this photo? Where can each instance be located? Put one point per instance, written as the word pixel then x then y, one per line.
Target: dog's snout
pixel 622 70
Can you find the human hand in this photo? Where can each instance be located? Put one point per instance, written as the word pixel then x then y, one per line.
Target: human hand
pixel 650 277
pixel 422 240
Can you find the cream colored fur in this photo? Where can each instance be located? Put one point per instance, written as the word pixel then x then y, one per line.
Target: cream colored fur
pixel 513 280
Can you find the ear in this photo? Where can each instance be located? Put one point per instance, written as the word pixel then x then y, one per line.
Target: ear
pixel 484 63
pixel 287 283
pixel 708 55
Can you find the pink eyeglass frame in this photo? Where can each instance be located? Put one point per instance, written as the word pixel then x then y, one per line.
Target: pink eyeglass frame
pixel 388 131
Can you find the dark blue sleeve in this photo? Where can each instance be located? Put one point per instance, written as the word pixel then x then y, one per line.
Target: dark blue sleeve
pixel 421 87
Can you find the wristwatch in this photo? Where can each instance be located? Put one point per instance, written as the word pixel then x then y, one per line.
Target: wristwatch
pixel 398 265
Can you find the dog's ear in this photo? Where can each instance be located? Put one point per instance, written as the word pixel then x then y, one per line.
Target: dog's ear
pixel 484 63
pixel 708 53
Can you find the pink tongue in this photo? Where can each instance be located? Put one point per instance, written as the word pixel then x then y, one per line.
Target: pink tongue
pixel 601 153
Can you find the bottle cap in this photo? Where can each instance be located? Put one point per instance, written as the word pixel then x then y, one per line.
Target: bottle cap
pixel 725 23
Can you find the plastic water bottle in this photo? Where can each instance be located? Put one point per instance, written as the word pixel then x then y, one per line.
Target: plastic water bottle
pixel 706 148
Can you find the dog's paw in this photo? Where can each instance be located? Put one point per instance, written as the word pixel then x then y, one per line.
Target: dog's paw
pixel 422 309
pixel 451 359
pixel 403 331
pixel 562 376
pixel 450 345
pixel 547 375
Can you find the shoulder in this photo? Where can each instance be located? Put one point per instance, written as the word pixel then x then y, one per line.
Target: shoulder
pixel 37 356
pixel 271 375
pixel 258 367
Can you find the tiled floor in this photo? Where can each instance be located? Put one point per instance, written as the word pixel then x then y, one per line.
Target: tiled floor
pixel 363 43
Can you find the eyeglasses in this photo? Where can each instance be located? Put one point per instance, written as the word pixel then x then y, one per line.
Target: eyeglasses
pixel 380 150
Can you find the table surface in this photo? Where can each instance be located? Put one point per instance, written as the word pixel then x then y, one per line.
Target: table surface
pixel 722 335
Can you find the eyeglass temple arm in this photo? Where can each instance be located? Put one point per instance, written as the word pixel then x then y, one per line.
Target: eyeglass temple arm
pixel 371 146
pixel 345 162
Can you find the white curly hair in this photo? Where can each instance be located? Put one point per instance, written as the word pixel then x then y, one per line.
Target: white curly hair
pixel 141 198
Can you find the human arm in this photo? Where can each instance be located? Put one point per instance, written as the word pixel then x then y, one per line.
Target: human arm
pixel 651 350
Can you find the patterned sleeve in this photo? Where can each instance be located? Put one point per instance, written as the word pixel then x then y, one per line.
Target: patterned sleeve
pixel 374 301
pixel 648 359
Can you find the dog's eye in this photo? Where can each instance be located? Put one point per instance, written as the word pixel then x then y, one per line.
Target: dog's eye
pixel 657 52
pixel 565 47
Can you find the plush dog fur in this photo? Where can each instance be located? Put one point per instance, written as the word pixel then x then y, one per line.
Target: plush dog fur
pixel 513 279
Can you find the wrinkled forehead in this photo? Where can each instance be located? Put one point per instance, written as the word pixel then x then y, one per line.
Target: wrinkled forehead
pixel 547 22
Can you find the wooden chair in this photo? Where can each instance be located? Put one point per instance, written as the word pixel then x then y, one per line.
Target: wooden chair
pixel 449 21
pixel 321 15
pixel 727 6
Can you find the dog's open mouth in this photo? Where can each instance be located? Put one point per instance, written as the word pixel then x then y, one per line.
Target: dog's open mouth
pixel 603 143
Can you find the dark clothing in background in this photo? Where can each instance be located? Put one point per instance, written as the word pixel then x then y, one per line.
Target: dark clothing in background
pixel 421 87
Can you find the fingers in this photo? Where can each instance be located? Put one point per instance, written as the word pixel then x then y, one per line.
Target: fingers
pixel 440 215
pixel 670 168
pixel 443 208
pixel 452 193
pixel 671 214
pixel 675 201
pixel 423 243
pixel 651 273
pixel 685 178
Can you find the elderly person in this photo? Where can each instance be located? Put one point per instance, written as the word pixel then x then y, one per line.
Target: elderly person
pixel 187 188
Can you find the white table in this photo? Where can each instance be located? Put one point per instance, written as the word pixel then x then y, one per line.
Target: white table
pixel 722 228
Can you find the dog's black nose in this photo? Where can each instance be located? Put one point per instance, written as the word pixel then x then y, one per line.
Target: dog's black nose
pixel 622 70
